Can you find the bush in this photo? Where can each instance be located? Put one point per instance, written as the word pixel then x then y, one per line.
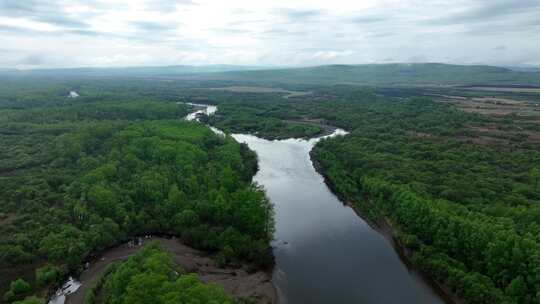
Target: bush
pixel 17 290
pixel 47 274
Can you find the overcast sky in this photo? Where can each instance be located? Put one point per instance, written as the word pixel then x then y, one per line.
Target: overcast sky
pixel 71 33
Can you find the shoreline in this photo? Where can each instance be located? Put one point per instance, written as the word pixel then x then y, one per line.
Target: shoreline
pixel 383 226
pixel 236 281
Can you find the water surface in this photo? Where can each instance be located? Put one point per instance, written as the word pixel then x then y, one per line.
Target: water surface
pixel 324 252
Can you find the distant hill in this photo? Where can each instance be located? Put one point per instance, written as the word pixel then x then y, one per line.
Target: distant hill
pixel 417 74
pixel 386 74
pixel 133 71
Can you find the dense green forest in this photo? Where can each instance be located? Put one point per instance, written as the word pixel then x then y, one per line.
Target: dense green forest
pixel 80 175
pixel 150 276
pixel 236 117
pixel 468 212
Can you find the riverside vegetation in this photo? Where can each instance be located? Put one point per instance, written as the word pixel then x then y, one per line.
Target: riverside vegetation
pixel 150 276
pixel 465 208
pixel 468 213
pixel 78 176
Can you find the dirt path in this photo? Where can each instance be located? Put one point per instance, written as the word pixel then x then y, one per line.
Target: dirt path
pixel 236 281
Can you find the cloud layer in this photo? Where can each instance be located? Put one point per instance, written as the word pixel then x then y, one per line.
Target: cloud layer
pixel 68 33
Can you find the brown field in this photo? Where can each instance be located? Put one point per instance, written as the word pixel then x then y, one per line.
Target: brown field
pixel 493 106
pixel 522 113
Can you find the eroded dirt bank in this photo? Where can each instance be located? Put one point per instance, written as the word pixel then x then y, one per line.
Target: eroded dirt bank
pixel 236 281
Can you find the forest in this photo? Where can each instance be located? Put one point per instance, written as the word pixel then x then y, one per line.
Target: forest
pixel 79 176
pixel 468 213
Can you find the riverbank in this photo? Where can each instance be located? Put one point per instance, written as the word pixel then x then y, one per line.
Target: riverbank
pixel 238 282
pixel 383 225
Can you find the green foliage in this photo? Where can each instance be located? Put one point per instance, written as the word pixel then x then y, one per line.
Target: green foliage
pixel 18 289
pixel 150 276
pixel 47 274
pixel 78 178
pixel 470 213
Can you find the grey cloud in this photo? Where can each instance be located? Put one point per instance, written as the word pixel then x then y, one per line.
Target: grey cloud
pixel 152 26
pixel 369 19
pixel 231 31
pixel 16 30
pixel 33 60
pixel 8 6
pixel 489 10
pixel 39 11
pixel 62 21
pixel 300 15
pixel 166 5
pixel 500 48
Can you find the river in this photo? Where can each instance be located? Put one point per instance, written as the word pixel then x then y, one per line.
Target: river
pixel 324 252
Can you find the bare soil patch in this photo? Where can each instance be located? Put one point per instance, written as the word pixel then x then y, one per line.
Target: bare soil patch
pixel 236 281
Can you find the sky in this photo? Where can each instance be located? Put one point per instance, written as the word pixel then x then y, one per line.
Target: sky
pixel 108 33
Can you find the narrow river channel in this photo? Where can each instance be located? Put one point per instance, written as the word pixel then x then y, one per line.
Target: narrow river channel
pixel 324 252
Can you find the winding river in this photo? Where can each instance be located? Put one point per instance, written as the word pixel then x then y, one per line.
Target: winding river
pixel 324 252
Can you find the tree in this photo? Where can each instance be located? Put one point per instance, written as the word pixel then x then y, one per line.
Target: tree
pixel 47 274
pixel 535 177
pixel 17 290
pixel 517 288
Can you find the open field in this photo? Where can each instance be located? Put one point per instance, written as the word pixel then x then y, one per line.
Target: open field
pixel 494 106
pixel 524 116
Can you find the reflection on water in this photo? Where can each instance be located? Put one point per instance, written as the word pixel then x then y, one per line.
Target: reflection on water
pixel 324 252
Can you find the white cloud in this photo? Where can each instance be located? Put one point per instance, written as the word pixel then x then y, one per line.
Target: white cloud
pixel 279 32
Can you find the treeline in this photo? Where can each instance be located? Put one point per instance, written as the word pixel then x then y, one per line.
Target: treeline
pixel 78 179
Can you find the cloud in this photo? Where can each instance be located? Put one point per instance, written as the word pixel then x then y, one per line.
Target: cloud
pixel 166 6
pixel 151 26
pixel 330 55
pixel 40 11
pixel 300 14
pixel 363 19
pixel 33 60
pixel 280 32
pixel 493 10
